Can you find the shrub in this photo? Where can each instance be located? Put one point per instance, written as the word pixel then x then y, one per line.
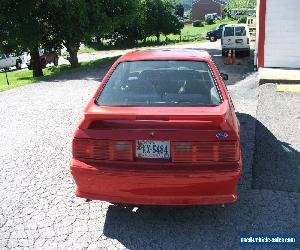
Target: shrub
pixel 198 23
pixel 209 21
pixel 242 19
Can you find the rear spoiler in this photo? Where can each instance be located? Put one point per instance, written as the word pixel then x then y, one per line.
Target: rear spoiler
pixel 220 117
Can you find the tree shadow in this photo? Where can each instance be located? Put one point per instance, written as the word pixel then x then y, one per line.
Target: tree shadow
pixel 11 69
pixel 207 227
pixel 96 72
pixel 276 163
pixel 236 72
pixel 129 45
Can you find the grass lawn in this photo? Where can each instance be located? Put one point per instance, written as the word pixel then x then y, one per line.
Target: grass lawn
pixel 188 34
pixel 22 77
pixel 19 78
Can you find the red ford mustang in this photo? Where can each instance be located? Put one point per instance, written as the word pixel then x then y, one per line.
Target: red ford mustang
pixel 160 130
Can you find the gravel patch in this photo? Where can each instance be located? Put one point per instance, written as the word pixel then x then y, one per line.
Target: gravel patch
pixel 277 154
pixel 38 209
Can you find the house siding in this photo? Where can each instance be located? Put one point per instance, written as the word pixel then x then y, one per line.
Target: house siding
pixel 278 34
pixel 203 7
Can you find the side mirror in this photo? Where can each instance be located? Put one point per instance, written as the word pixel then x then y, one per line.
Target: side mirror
pixel 224 76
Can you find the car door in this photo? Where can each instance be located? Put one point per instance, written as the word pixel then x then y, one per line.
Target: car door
pixel 228 38
pixel 240 33
pixel 4 61
pixel 10 61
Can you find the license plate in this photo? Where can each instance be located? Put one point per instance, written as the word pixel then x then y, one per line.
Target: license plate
pixel 152 149
pixel 239 41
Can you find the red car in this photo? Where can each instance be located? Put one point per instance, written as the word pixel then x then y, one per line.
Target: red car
pixel 160 130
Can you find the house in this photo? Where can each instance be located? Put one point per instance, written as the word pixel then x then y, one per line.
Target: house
pixel 278 34
pixel 202 7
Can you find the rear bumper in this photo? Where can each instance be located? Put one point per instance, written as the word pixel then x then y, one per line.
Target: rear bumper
pixel 155 187
pixel 236 49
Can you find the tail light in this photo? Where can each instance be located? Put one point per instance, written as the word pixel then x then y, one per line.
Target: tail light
pixel 205 151
pixel 102 150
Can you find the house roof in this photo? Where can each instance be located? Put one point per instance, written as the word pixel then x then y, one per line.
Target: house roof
pixel 216 1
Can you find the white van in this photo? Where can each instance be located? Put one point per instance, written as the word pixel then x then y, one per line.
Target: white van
pixel 236 36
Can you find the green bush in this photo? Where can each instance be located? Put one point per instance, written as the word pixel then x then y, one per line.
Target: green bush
pixel 242 19
pixel 198 23
pixel 209 21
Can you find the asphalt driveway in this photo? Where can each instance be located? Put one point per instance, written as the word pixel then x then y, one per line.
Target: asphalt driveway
pixel 38 209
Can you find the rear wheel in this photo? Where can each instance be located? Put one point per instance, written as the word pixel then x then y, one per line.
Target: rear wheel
pixel 223 52
pixel 18 65
pixel 55 62
pixel 212 38
pixel 43 64
pixel 247 52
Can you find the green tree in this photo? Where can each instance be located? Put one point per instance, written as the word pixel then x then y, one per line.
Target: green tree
pixel 26 25
pixel 179 10
pixel 24 28
pixel 78 20
pixel 160 18
pixel 240 4
pixel 129 33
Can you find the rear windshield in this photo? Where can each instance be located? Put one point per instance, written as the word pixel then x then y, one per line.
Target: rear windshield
pixel 160 83
pixel 240 31
pixel 229 31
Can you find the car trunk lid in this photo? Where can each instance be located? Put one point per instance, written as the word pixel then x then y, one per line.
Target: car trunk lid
pixel 197 134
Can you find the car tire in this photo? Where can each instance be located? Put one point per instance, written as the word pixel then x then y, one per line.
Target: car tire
pixel 18 65
pixel 212 38
pixel 247 53
pixel 55 61
pixel 223 52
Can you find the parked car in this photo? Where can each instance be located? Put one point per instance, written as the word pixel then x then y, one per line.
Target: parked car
pixel 160 129
pixel 212 16
pixel 215 34
pixel 8 61
pixel 185 20
pixel 237 37
pixel 46 57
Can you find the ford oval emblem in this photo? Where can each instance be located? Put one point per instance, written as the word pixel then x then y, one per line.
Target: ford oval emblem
pixel 221 135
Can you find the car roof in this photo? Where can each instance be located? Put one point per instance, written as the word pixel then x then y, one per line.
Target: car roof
pixel 236 25
pixel 166 54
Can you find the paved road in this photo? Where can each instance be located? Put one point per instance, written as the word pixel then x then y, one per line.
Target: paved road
pixel 38 209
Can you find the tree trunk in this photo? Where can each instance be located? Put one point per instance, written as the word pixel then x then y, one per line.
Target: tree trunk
pixel 157 37
pixel 73 58
pixel 36 62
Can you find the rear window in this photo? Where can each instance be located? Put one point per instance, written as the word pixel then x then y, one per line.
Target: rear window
pixel 160 83
pixel 240 31
pixel 229 31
